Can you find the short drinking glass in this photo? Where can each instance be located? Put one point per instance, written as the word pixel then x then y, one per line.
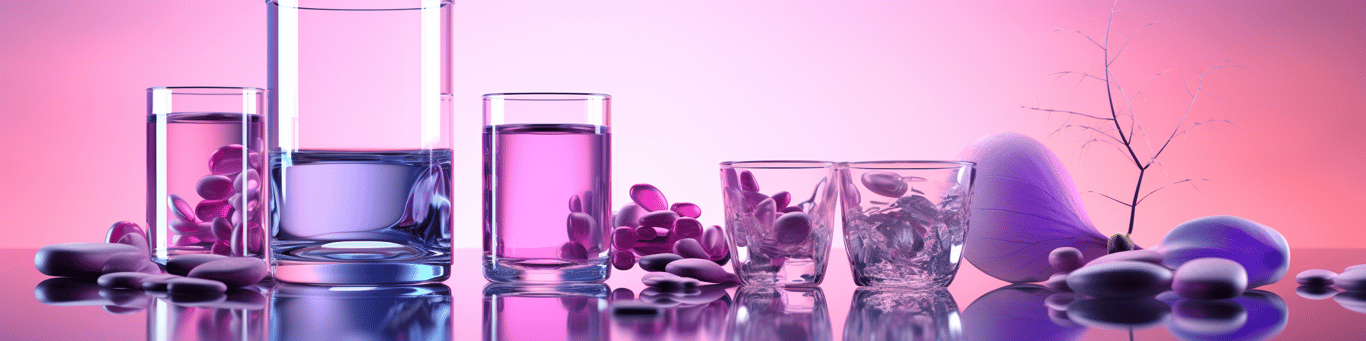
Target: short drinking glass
pixel 780 215
pixel 905 221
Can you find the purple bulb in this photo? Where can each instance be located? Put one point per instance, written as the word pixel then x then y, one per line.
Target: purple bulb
pixel 648 197
pixel 214 187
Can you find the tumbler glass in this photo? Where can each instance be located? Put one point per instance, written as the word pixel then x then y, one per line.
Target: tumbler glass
pixel 362 156
pixel 905 221
pixel 547 182
pixel 780 216
pixel 204 165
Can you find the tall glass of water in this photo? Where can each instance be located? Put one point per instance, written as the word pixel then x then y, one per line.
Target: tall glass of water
pixel 547 177
pixel 361 163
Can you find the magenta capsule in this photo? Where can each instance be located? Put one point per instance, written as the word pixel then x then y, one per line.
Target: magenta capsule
pixel 214 187
pixel 221 248
pixel 747 181
pixel 686 209
pixel 182 209
pixel 629 215
pixel 886 184
pixel 222 229
pixel 714 240
pixel 782 199
pixel 659 219
pixel 624 238
pixel 766 211
pixel 648 197
pixel 623 260
pixel 226 160
pixel 573 252
pixel 208 210
pixel 250 179
pixel 687 228
pixel 253 235
pixel 580 227
pixel 575 204
pixel 645 233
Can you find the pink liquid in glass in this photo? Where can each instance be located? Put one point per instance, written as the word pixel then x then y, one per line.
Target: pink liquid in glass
pixel 533 175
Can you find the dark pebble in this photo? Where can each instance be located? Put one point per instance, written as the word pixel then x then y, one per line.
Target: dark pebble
pixel 181 265
pixel 234 272
pixel 657 262
pixel 82 260
pixel 1316 277
pixel 122 280
pixel 630 308
pixel 1120 279
pixel 1353 280
pixel 1210 279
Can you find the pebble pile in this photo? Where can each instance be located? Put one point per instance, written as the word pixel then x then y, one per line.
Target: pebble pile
pixel 668 241
pixel 1141 273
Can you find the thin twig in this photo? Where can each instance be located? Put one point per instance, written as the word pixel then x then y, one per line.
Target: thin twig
pixel 1192 181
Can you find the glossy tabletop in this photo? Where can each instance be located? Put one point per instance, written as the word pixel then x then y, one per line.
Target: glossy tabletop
pixel 975 307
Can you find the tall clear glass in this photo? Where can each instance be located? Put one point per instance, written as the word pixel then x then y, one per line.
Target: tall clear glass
pixel 362 155
pixel 204 161
pixel 547 177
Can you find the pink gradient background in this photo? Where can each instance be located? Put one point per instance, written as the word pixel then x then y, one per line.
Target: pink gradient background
pixel 699 82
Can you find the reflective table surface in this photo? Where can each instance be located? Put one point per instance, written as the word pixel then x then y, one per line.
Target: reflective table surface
pixel 974 307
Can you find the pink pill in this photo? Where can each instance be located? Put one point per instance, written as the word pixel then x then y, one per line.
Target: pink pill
pixel 729 179
pixel 254 237
pixel 687 228
pixel 189 228
pixel 573 252
pixel 648 197
pixel 222 229
pixel 119 229
pixel 182 209
pixel 645 233
pixel 663 218
pixel 690 248
pixel 623 260
pixel 747 182
pixel 140 241
pixel 782 199
pixel 214 187
pixel 753 199
pixel 250 179
pixel 575 204
pixel 208 210
pixel 226 160
pixel 714 240
pixel 792 228
pixel 236 201
pixel 624 238
pixel 686 209
pixel 883 183
pixel 766 211
pixel 580 228
pixel 629 215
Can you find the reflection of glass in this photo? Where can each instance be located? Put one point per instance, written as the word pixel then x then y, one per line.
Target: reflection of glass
pixel 781 217
pixel 777 313
pixel 526 313
pixel 892 314
pixel 241 314
pixel 905 221
pixel 302 312
pixel 547 183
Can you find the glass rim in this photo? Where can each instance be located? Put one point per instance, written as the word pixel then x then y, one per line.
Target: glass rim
pixel 778 164
pixel 908 164
pixel 207 90
pixel 357 8
pixel 546 96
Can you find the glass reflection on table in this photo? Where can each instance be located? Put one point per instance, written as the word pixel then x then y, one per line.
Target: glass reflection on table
pixel 902 314
pixel 779 313
pixel 306 312
pixel 239 314
pixel 551 312
pixel 689 314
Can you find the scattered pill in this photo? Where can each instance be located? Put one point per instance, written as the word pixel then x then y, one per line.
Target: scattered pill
pixel 747 181
pixel 1209 278
pixel 1120 279
pixel 126 262
pixel 233 272
pixel 714 240
pixel 181 265
pixel 658 262
pixel 158 282
pixel 226 160
pixel 246 181
pixel 1065 259
pixel 629 215
pixel 580 227
pixel 82 260
pixel 181 209
pixel 208 210
pixel 686 227
pixel 659 219
pixel 1316 277
pixel 690 248
pixel 792 228
pixel 887 184
pixel 214 187
pixel 686 209
pixel 221 248
pixel 623 260
pixel 624 238
pixel 575 204
pixel 222 229
pixel 700 269
pixel 645 233
pixel 648 197
pixel 122 280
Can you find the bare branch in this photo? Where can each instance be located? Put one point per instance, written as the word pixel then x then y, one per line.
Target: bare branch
pixel 1126 42
pixel 1066 112
pixel 1191 181
pixel 1199 84
pixel 1121 202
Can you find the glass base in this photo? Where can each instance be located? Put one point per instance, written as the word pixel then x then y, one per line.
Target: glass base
pixel 359 273
pixel 538 271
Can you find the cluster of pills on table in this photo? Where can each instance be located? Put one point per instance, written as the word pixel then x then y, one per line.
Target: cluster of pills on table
pixel 124 264
pixel 227 191
pixel 1141 273
pixel 669 242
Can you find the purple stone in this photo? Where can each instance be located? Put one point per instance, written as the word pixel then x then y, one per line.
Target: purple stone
pixel 575 204
pixel 686 209
pixel 690 248
pixel 1120 279
pixel 1065 259
pixel 247 181
pixel 195 286
pixel 687 228
pixel 714 241
pixel 658 262
pixel 1316 277
pixel 649 198
pixel 136 240
pixel 1351 280
pixel 1210 278
pixel 1057 282
pixel 126 262
pixel 82 260
pixel 645 233
pixel 624 238
pixel 571 251
pixel 1060 301
pixel 887 184
pixel 221 228
pixel 226 160
pixel 207 210
pixel 700 269
pixel 621 294
pixel 122 280
pixel 158 282
pixel 629 215
pixel 1354 267
pixel 181 265
pixel 766 211
pixel 119 229
pixel 747 182
pixel 663 218
pixel 214 187
pixel 782 199
pixel 623 260
pixel 668 282
pixel 251 203
pixel 1261 250
pixel 580 227
pixel 792 228
pixel 182 209
pixel 1146 256
pixel 221 248
pixel 233 272
pixel 1315 292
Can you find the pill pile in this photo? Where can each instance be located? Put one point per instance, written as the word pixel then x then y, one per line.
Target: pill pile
pixel 1347 288
pixel 1141 273
pixel 215 223
pixel 125 265
pixel 649 225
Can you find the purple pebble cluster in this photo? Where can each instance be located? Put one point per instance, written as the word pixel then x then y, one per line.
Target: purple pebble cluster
pixel 1141 273
pixel 1347 288
pixel 668 241
pixel 227 189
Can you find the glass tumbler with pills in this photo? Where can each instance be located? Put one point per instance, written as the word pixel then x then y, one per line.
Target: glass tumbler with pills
pixel 361 166
pixel 781 218
pixel 205 159
pixel 905 221
pixel 547 177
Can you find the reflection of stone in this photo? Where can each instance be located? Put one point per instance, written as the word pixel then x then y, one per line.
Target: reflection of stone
pixel 1015 312
pixel 775 313
pixel 303 312
pixel 892 314
pixel 1118 313
pixel 1256 315
pixel 545 312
